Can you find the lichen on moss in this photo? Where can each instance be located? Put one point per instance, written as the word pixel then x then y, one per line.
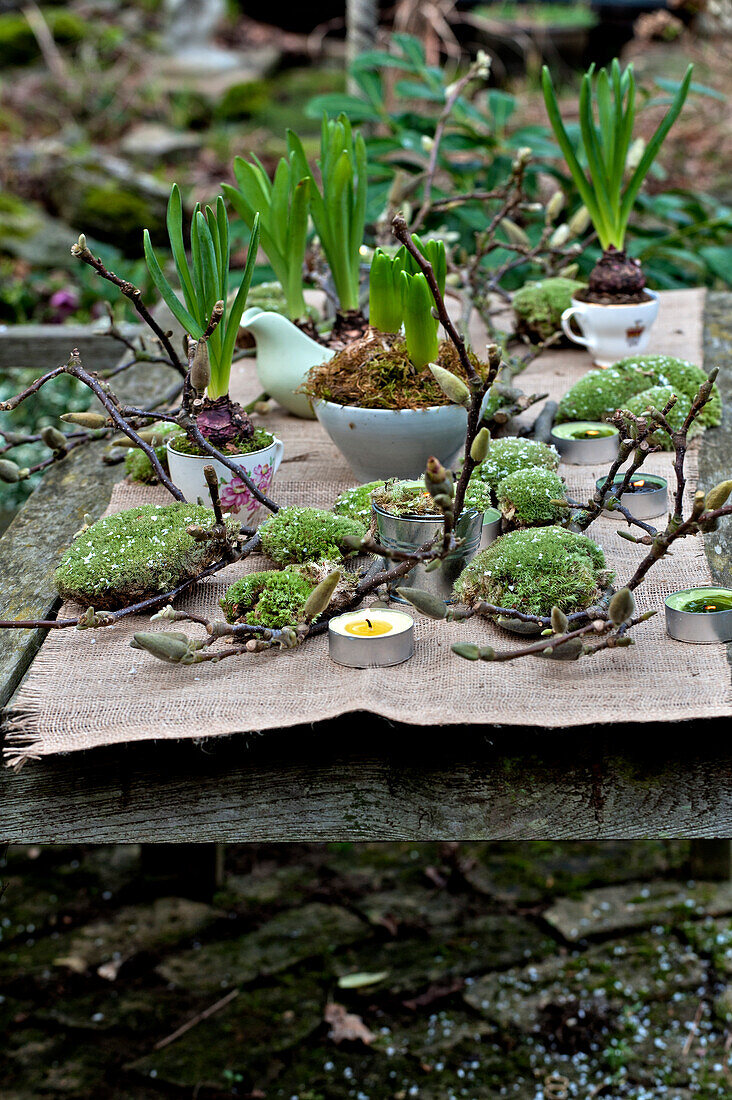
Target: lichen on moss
pixel 509 454
pixel 138 466
pixel 137 553
pixel 599 393
pixel 539 306
pixel 355 503
pixel 307 534
pixel 274 598
pixel 525 497
pixel 535 569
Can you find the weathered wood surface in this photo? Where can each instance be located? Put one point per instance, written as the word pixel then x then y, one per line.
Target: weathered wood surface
pixel 409 784
pixel 31 547
pixel 45 346
pixel 453 783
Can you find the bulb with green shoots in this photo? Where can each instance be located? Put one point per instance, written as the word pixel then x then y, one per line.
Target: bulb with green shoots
pixel 399 295
pixel 607 182
pixel 204 286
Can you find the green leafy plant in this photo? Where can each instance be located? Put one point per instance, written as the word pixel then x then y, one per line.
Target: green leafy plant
pixel 205 282
pixel 399 294
pixel 338 208
pixel 282 206
pixel 606 185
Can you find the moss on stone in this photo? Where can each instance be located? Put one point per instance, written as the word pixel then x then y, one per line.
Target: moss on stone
pixel 539 306
pixel 242 100
pixel 273 598
pixel 535 569
pixel 113 213
pixel 507 455
pixel 356 503
pixel 134 554
pixel 683 376
pixel 307 534
pixel 525 497
pixel 599 393
pixel 657 397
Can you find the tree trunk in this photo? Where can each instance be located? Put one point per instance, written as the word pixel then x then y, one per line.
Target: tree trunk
pixel 362 23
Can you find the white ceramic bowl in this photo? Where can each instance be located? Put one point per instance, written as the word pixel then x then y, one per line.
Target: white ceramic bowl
pixel 383 443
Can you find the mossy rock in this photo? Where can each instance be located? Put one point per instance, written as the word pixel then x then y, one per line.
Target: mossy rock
pixel 598 394
pixel 684 377
pixel 534 570
pixel 135 554
pixel 355 503
pixel 242 100
pixel 509 454
pixel 273 598
pixel 296 535
pixel 525 497
pixel 18 44
pixel 539 306
pixel 111 213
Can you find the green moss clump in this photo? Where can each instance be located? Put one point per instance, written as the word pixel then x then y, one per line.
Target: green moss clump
pixel 113 213
pixel 243 100
pixel 539 306
pixel 274 598
pixel 18 44
pixel 137 553
pixel 684 378
pixel 505 456
pixel 535 569
pixel 356 503
pixel 307 534
pixel 138 466
pixel 658 397
pixel 256 442
pixel 599 393
pixel 478 496
pixel 525 497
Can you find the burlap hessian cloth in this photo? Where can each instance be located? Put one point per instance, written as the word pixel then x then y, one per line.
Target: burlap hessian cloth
pixel 89 688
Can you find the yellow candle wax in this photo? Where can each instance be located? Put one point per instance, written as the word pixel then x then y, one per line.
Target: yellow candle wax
pixel 368 628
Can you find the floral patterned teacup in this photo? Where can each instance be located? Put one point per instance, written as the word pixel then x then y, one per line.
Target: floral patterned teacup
pixel 186 471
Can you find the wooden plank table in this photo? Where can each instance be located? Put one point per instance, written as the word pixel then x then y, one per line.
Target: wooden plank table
pixel 360 777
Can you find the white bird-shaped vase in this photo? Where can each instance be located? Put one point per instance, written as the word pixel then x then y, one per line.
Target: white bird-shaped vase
pixel 285 354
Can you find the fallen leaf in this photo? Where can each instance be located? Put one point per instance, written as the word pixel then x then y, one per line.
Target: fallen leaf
pixel 346 1026
pixel 356 981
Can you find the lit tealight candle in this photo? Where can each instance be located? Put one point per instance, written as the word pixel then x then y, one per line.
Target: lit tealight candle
pixel 700 615
pixel 371 637
pixel 586 442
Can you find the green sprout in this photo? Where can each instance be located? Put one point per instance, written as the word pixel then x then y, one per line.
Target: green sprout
pixel 608 190
pixel 206 283
pixel 399 294
pixel 339 210
pixel 282 206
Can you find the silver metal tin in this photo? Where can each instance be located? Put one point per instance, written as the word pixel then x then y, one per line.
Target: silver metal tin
pixel 408 533
pixel 641 505
pixel 491 527
pixel 379 652
pixel 586 452
pixel 697 626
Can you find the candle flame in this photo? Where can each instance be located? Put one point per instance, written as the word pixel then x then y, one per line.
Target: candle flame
pixel 639 483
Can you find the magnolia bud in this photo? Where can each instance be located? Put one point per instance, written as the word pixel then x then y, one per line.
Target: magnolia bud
pixel 166 646
pixel 579 221
pixel 622 606
pixel 54 439
pixel 431 606
pixel 9 472
pixel 480 445
pixel 554 206
pixel 717 496
pixel 321 596
pixel 468 650
pixel 560 622
pixel 515 233
pixel 452 386
pixel 560 236
pixel 85 419
pixel 200 374
pixel 352 542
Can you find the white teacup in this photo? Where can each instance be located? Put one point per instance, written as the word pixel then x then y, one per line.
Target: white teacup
pixel 611 333
pixel 186 471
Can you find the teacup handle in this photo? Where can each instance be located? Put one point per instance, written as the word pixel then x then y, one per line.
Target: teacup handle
pixel 278 453
pixel 567 327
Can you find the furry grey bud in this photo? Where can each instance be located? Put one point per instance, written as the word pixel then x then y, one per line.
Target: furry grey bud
pixel 429 605
pixel 320 597
pixel 200 367
pixel 9 472
pixel 452 386
pixel 560 622
pixel 85 419
pixel 622 606
pixel 467 650
pixel 54 439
